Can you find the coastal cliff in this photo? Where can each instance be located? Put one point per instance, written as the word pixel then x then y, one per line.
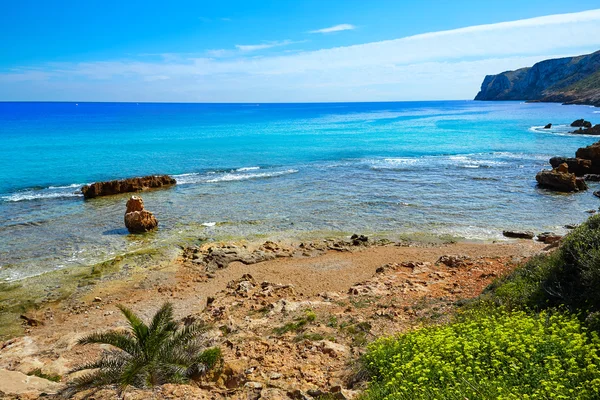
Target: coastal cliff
pixel 569 80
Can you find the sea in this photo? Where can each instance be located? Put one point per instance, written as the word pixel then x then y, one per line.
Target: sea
pixel 459 169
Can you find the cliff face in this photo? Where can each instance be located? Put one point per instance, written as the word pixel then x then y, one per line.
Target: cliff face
pixel 570 80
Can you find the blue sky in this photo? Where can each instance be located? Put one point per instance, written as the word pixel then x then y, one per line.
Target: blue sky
pixel 278 51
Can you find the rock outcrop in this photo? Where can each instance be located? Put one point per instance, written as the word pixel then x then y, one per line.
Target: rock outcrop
pixel 581 123
pixel 548 126
pixel 577 166
pixel 592 130
pixel 138 220
pixel 126 186
pixel 560 179
pixel 569 80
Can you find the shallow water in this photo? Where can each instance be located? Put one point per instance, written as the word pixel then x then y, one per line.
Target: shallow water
pixel 460 168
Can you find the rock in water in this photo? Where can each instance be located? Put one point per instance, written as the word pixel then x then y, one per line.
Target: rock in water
pixel 577 166
pixel 581 123
pixel 519 234
pixel 595 130
pixel 126 185
pixel 138 220
pixel 560 179
pixel 548 126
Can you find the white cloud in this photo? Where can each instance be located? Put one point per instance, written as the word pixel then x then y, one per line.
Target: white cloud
pixel 436 65
pixel 335 28
pixel 262 46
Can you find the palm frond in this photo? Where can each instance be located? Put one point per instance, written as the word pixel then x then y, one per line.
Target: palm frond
pixel 121 340
pixel 140 329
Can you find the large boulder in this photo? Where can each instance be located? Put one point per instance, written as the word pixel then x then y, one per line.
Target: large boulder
pixel 592 153
pixel 577 166
pixel 560 179
pixel 581 123
pixel 138 220
pixel 25 386
pixel 126 186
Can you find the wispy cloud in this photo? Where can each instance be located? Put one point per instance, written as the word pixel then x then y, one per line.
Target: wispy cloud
pixel 262 46
pixel 335 28
pixel 435 65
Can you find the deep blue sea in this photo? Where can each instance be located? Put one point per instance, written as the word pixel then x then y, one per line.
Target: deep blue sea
pixel 460 168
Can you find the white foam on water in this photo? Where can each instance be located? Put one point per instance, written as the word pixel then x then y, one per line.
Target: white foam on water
pixel 247 169
pixel 209 224
pixel 42 194
pixel 185 179
pixel 229 177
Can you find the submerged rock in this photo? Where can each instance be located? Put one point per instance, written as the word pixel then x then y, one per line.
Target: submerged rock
pixel 138 220
pixel 98 189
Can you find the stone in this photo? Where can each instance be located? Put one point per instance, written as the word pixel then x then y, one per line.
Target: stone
pixel 563 168
pixel 558 181
pixel 453 261
pixel 577 166
pixel 592 177
pixel 581 185
pixel 17 383
pixel 519 234
pixel 595 130
pixel 597 193
pixel 548 126
pixel 31 321
pixel 592 153
pixel 581 123
pixel 109 188
pixel 333 349
pixel 138 220
pixel 359 240
pixel 548 237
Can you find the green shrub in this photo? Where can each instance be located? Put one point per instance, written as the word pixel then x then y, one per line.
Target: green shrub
pixel 489 355
pixel 147 355
pixel 567 277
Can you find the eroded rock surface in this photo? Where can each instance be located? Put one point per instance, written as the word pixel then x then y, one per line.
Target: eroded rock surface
pixel 137 219
pixel 108 188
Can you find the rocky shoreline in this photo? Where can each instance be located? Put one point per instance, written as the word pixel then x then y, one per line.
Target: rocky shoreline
pixel 569 174
pixel 256 296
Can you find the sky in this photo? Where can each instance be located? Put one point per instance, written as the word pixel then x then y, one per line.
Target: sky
pixel 279 50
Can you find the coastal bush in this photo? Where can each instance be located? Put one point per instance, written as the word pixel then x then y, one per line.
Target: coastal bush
pixel 567 277
pixel 147 355
pixel 488 355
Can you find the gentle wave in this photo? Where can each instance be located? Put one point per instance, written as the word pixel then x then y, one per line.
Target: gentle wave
pixel 243 177
pixel 233 175
pixel 480 160
pixel 52 192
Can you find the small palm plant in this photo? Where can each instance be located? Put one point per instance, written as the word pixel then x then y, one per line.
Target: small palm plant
pixel 147 355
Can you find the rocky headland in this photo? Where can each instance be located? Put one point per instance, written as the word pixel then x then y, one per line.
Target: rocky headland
pixel 569 80
pixel 129 185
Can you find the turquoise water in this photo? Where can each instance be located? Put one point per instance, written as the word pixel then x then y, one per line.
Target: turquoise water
pixel 462 168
